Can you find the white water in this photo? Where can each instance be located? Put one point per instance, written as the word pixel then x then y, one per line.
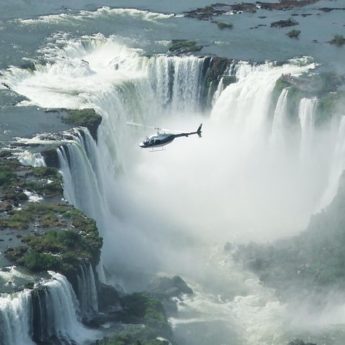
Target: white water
pixel 87 291
pixel 165 211
pixel 15 319
pixel 62 309
pixel 103 12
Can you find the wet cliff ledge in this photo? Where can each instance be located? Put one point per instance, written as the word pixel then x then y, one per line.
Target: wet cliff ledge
pixel 43 232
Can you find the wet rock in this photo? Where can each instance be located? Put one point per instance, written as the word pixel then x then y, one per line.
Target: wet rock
pixel 330 9
pixel 108 298
pixel 285 4
pixel 284 23
pixel 5 206
pixel 222 25
pixel 51 158
pixel 217 9
pixel 182 47
pixel 299 342
pixel 294 33
pixel 169 287
pixel 84 118
pixel 208 12
pixel 338 40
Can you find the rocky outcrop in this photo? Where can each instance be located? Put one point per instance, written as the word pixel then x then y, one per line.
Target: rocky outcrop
pixel 294 33
pixel 53 234
pixel 218 9
pixel 85 118
pixel 166 287
pixel 338 40
pixel 183 47
pixel 299 342
pixel 284 23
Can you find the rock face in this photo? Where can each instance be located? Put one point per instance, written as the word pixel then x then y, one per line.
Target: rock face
pixel 338 40
pixel 284 23
pixel 218 9
pixel 53 234
pixel 84 117
pixel 299 342
pixel 51 157
pixel 183 47
pixel 166 287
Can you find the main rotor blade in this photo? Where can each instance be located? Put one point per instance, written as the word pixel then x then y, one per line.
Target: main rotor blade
pixel 136 124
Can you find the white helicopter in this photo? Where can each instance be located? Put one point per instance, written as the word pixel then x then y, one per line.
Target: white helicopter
pixel 162 137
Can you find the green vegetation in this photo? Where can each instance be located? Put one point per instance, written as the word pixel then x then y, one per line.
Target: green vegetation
pixel 338 40
pixel 85 118
pixel 294 33
pixel 222 25
pixel 141 309
pixel 183 47
pixel 69 238
pixel 6 176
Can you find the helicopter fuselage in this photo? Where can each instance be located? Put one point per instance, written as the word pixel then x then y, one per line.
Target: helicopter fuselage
pixel 161 139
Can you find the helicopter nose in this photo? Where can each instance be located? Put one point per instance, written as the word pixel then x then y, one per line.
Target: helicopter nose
pixel 142 145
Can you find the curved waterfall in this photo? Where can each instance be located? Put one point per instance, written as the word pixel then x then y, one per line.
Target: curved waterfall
pixel 262 150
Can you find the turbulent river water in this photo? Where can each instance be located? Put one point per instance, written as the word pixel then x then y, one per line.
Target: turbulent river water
pixel 265 163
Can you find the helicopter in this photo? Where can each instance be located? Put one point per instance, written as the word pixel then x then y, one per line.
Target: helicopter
pixel 163 137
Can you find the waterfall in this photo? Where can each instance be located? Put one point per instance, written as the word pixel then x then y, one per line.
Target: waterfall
pixel 306 116
pixel 279 121
pixel 87 291
pixel 337 166
pixel 56 313
pixel 16 319
pixel 33 159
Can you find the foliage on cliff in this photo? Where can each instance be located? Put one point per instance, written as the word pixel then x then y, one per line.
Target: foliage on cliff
pixel 53 234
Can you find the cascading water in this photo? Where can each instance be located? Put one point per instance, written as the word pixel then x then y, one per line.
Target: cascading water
pixel 306 116
pixel 87 291
pixel 15 319
pixel 165 211
pixel 56 313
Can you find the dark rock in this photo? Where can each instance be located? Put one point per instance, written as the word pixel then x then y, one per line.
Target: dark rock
pixel 28 65
pixel 285 4
pixel 51 158
pixel 284 23
pixel 299 342
pixel 294 33
pixel 108 298
pixel 5 153
pixel 330 9
pixel 85 118
pixel 222 25
pixel 214 10
pixel 5 206
pixel 182 47
pixel 169 287
pixel 338 40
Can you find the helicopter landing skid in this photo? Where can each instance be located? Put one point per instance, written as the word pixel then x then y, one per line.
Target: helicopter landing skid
pixel 157 150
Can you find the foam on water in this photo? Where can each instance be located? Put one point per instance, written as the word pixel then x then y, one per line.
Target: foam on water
pixel 242 181
pixel 103 12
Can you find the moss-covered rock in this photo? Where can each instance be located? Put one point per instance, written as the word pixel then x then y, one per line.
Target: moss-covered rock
pixel 338 40
pixel 284 23
pixel 183 47
pixel 144 309
pixel 294 33
pixel 66 238
pixel 144 322
pixel 222 25
pixel 51 235
pixel 85 118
